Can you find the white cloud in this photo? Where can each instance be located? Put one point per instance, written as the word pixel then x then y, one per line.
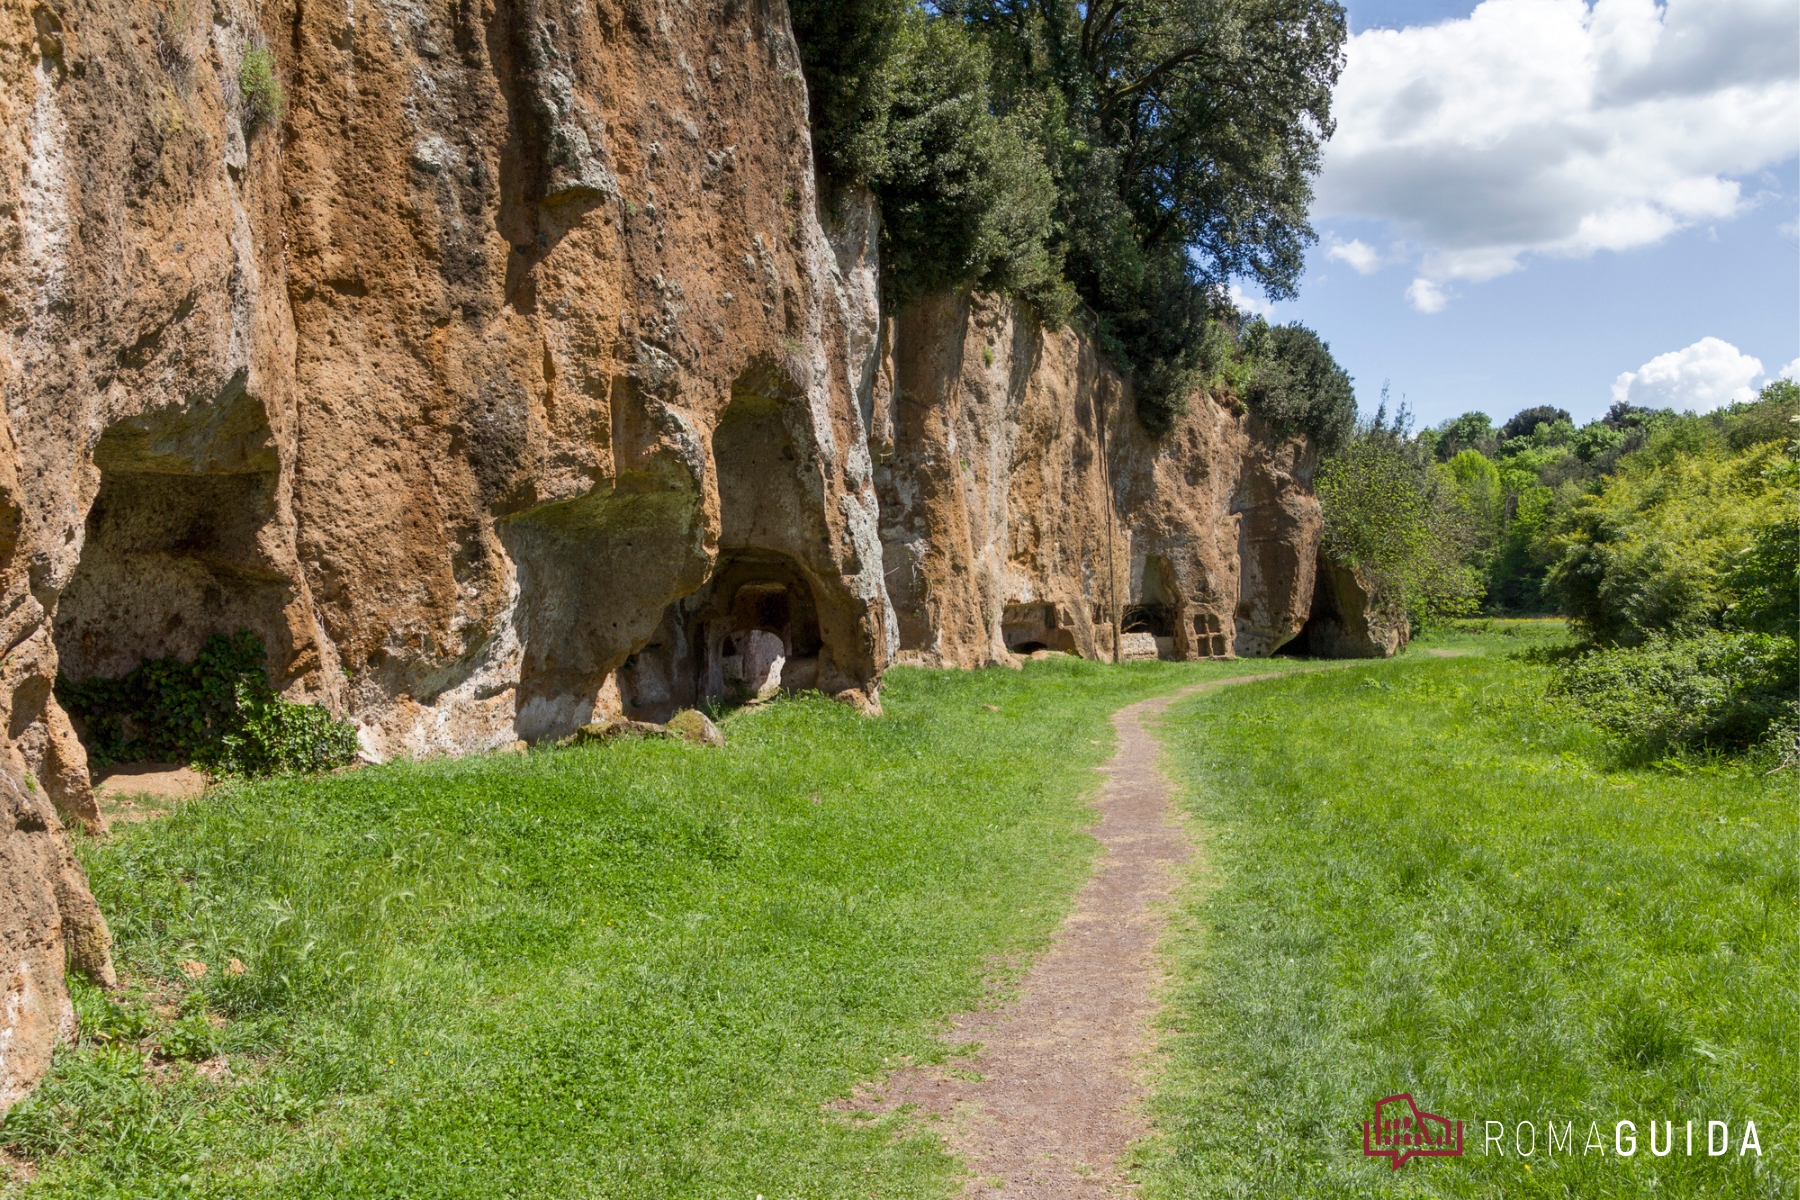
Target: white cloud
pixel 1426 296
pixel 1791 371
pixel 1699 378
pixel 1255 305
pixel 1361 256
pixel 1553 127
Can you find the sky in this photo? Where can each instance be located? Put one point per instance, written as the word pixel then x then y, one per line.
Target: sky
pixel 1560 202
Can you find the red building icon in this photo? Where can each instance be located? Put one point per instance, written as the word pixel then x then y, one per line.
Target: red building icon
pixel 1401 1130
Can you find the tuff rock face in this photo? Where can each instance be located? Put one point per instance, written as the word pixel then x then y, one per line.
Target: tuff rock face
pixel 1023 507
pixel 48 922
pixel 519 327
pixel 1351 617
pixel 514 380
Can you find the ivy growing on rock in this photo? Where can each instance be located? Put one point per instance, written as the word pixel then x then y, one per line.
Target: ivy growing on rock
pixel 217 712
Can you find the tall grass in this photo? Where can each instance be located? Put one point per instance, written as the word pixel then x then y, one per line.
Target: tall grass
pixel 1421 878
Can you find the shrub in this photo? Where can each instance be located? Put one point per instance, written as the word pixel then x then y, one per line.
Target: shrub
pixel 217 712
pixel 1646 554
pixel 1716 691
pixel 263 97
pixel 191 1037
pixel 1404 525
pixel 1762 581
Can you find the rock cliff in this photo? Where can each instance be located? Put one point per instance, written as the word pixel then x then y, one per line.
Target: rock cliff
pixel 1024 508
pixel 513 377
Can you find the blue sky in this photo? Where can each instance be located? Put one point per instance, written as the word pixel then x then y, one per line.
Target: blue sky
pixel 1560 231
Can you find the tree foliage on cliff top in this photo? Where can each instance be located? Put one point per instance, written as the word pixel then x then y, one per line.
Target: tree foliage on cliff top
pixel 1296 386
pixel 1179 139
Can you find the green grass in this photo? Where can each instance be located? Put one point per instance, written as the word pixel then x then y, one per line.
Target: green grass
pixel 1484 635
pixel 640 969
pixel 1420 877
pixel 629 970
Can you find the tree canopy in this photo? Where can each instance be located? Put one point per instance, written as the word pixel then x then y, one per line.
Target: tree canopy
pixel 1296 386
pixel 1525 423
pixel 1178 138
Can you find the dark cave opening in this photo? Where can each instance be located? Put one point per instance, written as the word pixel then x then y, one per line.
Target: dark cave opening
pixel 752 631
pixel 172 550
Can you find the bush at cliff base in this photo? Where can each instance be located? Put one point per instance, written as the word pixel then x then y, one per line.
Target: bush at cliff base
pixel 1717 691
pixel 1398 522
pixel 217 712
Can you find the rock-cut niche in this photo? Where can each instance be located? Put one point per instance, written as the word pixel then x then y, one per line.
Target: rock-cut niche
pixel 174 547
pixel 1027 628
pixel 754 628
pixel 1155 605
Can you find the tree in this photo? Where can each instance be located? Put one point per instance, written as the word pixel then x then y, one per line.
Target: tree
pixel 1180 139
pixel 1297 386
pixel 1595 439
pixel 902 103
pixel 1471 431
pixel 1183 135
pixel 847 49
pixel 1401 520
pixel 966 197
pixel 1523 424
pixel 1625 416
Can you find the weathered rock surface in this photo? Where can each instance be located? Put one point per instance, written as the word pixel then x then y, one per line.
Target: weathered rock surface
pixel 1024 508
pixel 691 725
pixel 516 381
pixel 48 921
pixel 520 327
pixel 1351 618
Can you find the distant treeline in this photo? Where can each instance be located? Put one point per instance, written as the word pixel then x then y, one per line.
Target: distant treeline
pixel 1670 540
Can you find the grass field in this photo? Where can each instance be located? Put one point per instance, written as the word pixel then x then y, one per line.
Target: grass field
pixel 639 970
pixel 619 971
pixel 1422 879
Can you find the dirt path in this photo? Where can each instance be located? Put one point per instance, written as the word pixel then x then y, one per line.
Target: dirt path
pixel 1052 1100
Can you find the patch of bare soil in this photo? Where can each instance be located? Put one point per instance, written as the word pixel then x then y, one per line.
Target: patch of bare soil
pixel 141 791
pixel 15 1172
pixel 1052 1099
